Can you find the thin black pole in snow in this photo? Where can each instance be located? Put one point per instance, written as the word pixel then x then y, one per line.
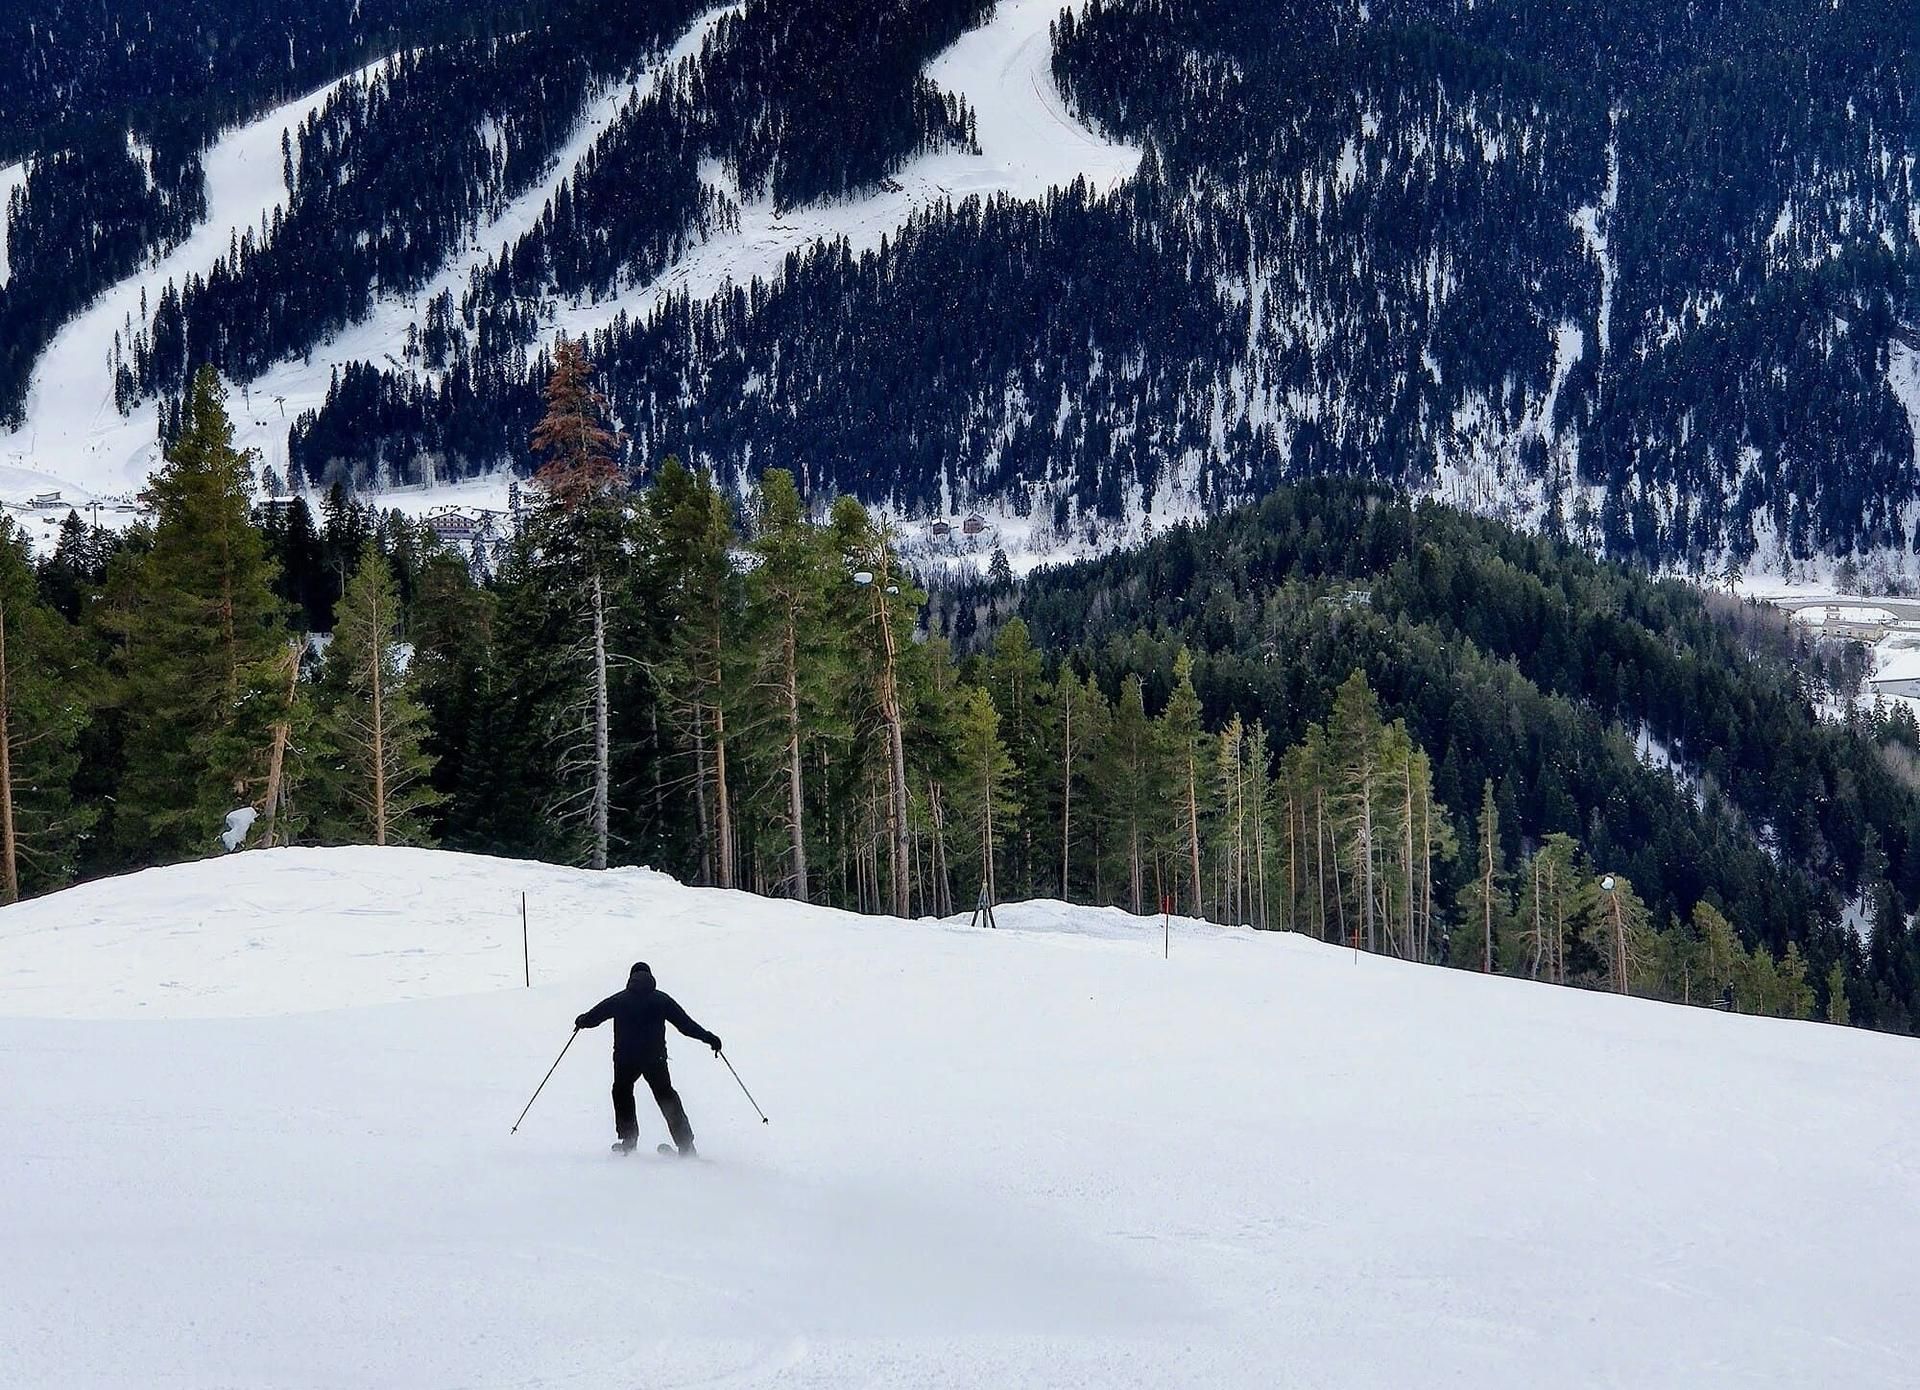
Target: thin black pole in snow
pixel 1166 927
pixel 526 960
pixel 544 1080
pixel 743 1087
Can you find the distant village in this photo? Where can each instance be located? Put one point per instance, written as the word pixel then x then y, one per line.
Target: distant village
pixel 482 533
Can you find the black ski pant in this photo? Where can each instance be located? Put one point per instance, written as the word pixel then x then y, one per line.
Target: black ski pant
pixel 626 1122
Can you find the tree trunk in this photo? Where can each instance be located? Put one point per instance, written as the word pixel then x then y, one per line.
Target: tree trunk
pixel 1260 864
pixel 9 844
pixel 1408 856
pixel 1486 901
pixel 602 769
pixel 700 793
pixel 796 787
pixel 1066 795
pixel 1320 853
pixel 1339 892
pixel 1193 833
pixel 377 662
pixel 1539 931
pixel 986 822
pixel 1619 943
pixel 1426 856
pixel 722 803
pixel 942 882
pixel 1291 917
pixel 1368 921
pixel 896 782
pixel 282 734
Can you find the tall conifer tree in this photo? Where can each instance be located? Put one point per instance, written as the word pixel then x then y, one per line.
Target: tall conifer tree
pixel 375 788
pixel 201 646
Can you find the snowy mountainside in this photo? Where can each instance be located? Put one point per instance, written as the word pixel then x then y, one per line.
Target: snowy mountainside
pixel 74 438
pixel 1037 1156
pixel 1658 295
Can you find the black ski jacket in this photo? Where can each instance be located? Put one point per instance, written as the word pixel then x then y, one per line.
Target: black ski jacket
pixel 640 1015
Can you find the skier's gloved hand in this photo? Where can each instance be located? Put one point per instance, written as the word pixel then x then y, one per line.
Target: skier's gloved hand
pixel 713 1041
pixel 580 1022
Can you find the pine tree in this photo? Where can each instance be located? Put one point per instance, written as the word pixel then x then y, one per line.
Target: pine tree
pixel 1231 830
pixel 984 790
pixel 1487 894
pixel 699 672
pixel 573 439
pixel 1796 995
pixel 1127 782
pixel 1014 678
pixel 1557 890
pixel 799 664
pixel 1837 1008
pixel 43 687
pixel 1257 791
pixel 455 673
pixel 1727 964
pixel 581 524
pixel 1355 737
pixel 1618 921
pixel 880 611
pixel 1181 741
pixel 200 647
pixel 375 788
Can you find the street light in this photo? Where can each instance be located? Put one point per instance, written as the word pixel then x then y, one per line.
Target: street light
pixel 1607 886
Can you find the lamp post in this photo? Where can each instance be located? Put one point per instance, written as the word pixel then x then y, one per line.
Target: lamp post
pixel 1611 889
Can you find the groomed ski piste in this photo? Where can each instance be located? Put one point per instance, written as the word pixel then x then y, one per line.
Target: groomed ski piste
pixel 254 1120
pixel 75 441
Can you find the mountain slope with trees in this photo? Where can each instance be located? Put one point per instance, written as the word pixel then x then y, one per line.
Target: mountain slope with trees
pixel 1655 295
pixel 1647 280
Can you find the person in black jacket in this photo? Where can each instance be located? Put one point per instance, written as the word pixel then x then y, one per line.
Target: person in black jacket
pixel 640 1014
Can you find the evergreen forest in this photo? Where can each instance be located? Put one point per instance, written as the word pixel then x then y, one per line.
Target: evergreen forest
pixel 1392 726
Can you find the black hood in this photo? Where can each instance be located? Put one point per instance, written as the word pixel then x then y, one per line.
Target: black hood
pixel 640 977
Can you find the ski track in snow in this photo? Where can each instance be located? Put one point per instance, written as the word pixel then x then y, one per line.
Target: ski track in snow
pixel 258 1107
pixel 74 440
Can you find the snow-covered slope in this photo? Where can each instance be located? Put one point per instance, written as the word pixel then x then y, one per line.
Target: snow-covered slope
pixel 254 1131
pixel 74 439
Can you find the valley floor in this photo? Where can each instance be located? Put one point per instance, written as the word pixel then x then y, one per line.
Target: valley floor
pixel 254 1127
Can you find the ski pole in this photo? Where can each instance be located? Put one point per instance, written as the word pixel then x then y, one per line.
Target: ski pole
pixel 544 1080
pixel 743 1087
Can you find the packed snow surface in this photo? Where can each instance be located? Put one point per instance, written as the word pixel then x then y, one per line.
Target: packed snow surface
pixel 254 1121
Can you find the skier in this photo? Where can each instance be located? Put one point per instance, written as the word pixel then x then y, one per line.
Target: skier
pixel 640 1015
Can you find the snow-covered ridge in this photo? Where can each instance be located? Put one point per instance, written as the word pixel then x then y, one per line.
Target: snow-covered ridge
pixel 259 1107
pixel 75 440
